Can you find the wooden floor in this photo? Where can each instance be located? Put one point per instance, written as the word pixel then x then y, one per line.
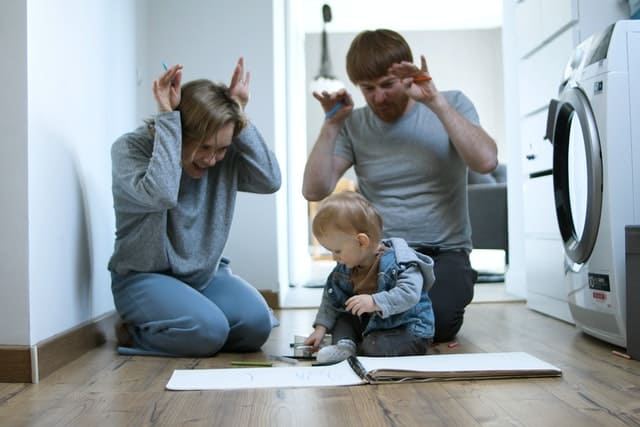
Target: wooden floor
pixel 105 389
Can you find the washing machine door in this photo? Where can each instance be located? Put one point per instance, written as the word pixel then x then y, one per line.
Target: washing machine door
pixel 577 171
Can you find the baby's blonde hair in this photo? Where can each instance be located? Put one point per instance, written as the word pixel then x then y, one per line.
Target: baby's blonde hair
pixel 348 212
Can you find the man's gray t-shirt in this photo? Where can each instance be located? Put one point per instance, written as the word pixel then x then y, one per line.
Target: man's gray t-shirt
pixel 412 173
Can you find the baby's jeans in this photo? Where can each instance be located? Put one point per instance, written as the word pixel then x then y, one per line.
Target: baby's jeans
pixel 387 342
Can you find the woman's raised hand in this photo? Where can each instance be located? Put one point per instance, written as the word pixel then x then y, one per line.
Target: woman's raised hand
pixel 239 87
pixel 166 89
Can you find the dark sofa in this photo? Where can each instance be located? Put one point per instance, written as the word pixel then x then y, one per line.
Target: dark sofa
pixel 487 195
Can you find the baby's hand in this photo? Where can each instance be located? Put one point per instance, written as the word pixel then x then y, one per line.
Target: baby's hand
pixel 315 339
pixel 360 304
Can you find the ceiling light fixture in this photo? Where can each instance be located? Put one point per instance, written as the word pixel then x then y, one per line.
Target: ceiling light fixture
pixel 325 80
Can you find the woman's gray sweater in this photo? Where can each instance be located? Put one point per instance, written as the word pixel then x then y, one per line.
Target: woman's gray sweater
pixel 168 222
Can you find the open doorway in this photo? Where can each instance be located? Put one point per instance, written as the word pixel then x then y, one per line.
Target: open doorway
pixel 463 46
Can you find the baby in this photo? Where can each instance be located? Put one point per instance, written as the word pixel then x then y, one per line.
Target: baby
pixel 375 301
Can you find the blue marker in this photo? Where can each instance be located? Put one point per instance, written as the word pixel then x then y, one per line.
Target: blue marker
pixel 334 109
pixel 165 66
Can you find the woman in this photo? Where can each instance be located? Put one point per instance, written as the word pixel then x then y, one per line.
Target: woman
pixel 175 182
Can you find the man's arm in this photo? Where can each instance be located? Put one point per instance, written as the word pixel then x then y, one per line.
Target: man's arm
pixel 476 148
pixel 323 168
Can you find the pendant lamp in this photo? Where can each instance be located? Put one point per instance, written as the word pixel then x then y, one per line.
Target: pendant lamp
pixel 325 80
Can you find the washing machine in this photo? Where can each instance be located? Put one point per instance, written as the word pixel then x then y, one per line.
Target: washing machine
pixel 594 127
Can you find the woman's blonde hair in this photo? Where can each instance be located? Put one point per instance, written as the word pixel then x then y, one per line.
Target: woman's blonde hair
pixel 205 107
pixel 348 212
pixel 372 52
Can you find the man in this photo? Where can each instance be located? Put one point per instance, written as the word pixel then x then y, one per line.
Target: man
pixel 410 147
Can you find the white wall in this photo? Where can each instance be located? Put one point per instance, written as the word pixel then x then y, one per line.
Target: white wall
pixel 14 292
pixel 402 15
pixel 81 95
pixel 55 174
pixel 515 277
pixel 81 75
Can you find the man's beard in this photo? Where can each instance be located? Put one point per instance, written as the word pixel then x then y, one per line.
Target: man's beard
pixel 390 112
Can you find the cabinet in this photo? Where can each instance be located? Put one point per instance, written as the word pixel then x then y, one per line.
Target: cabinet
pixel 544 250
pixel 540 20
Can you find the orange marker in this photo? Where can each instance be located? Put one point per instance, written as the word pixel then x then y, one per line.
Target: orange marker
pixel 620 354
pixel 422 79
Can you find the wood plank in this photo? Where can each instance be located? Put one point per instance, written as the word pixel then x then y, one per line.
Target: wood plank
pixel 15 364
pixel 61 349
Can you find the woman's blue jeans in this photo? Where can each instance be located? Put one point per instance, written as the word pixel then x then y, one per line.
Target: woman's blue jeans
pixel 167 317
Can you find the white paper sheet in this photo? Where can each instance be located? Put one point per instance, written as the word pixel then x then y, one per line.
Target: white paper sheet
pixel 279 377
pixel 341 374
